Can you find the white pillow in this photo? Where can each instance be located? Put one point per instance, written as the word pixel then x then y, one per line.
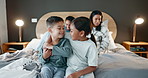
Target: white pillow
pixel 105 23
pixel 111 41
pixel 33 43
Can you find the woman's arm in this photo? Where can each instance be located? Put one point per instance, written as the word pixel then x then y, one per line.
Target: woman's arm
pixel 87 70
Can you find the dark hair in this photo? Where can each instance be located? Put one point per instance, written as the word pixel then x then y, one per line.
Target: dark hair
pixel 53 20
pixel 70 18
pixel 96 12
pixel 83 24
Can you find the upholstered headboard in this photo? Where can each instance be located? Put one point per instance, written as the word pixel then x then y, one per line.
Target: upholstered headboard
pixel 41 27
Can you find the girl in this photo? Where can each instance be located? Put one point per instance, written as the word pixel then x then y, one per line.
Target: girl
pixel 100 32
pixel 83 61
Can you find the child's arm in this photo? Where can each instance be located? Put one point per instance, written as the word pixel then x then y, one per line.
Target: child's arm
pixel 44 55
pixel 64 49
pixel 47 48
pixel 87 70
pixel 48 43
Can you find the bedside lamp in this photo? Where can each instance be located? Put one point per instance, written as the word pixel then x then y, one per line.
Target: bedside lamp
pixel 137 21
pixel 20 23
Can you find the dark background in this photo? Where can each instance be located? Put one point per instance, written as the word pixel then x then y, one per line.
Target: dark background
pixel 124 13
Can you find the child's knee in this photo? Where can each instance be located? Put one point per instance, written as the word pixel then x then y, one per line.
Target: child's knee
pixel 46 69
pixel 46 72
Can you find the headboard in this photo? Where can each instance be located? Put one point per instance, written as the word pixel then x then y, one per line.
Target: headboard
pixel 41 27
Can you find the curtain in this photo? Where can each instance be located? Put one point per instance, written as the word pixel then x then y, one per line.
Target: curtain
pixel 0 46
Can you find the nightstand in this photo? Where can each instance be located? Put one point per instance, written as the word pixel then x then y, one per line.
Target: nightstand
pixel 13 46
pixel 140 48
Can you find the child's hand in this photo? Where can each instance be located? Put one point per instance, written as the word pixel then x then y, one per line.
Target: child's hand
pixel 49 46
pixel 47 53
pixel 73 75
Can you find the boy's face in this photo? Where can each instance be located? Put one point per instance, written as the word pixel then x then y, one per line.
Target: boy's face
pixel 57 31
pixel 96 20
pixel 67 24
pixel 74 32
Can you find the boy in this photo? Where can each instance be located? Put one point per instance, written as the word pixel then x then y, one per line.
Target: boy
pixel 55 50
pixel 68 21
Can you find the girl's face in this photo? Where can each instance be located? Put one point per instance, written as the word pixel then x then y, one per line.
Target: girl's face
pixel 57 31
pixel 75 34
pixel 96 20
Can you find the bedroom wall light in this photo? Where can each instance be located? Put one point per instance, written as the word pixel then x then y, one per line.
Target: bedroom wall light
pixel 20 23
pixel 139 20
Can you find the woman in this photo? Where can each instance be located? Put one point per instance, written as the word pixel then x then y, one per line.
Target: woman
pixel 100 32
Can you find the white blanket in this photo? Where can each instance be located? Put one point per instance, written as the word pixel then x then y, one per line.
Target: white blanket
pixel 15 70
pixel 17 61
pixel 116 63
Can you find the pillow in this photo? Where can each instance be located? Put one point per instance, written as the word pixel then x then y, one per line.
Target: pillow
pixel 33 43
pixel 105 23
pixel 111 41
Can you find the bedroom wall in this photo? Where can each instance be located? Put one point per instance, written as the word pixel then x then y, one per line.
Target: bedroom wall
pixel 3 22
pixel 123 11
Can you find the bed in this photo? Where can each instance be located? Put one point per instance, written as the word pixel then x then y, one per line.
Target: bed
pixel 117 62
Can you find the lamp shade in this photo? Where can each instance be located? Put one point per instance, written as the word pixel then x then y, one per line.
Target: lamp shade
pixel 139 21
pixel 19 22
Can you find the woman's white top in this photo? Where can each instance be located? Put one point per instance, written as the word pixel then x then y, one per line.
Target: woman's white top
pixel 102 38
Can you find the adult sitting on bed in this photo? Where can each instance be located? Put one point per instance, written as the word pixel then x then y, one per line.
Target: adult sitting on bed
pixel 100 32
pixel 68 21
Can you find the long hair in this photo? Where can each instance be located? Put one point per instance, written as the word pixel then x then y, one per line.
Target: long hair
pixel 96 12
pixel 83 24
